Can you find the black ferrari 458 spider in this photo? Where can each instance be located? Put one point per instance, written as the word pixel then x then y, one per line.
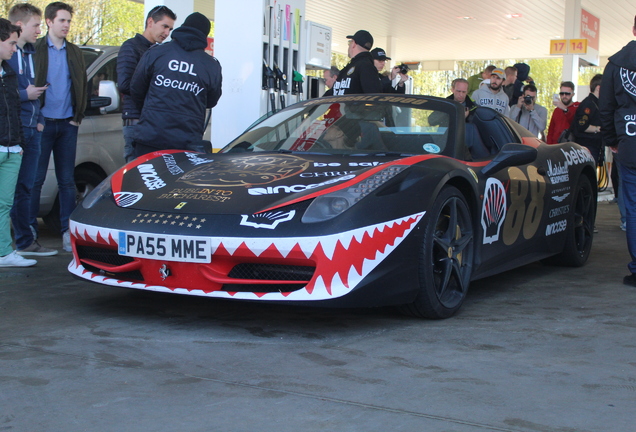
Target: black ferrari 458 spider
pixel 346 201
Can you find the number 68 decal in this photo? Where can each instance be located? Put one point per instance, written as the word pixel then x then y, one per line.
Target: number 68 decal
pixel 519 216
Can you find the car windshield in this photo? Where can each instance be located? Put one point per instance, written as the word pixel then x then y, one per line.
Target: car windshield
pixel 90 55
pixel 354 125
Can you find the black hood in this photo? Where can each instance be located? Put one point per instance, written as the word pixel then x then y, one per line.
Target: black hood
pixel 626 57
pixel 189 38
pixel 523 70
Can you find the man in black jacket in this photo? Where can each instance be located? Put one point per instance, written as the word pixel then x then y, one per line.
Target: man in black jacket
pixel 386 79
pixel 59 65
pixel 11 141
pixel 618 125
pixel 172 86
pixel 360 75
pixel 159 24
pixel 587 120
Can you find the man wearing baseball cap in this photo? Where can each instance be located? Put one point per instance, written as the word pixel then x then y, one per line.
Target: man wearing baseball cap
pixel 360 75
pixel 379 60
pixel 493 96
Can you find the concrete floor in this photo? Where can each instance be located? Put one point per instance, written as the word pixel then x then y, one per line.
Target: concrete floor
pixel 536 349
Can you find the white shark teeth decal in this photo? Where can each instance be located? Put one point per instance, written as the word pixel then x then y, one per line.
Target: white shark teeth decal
pixel 343 260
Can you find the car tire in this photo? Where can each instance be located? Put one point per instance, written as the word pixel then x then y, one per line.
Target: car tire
pixel 580 234
pixel 85 181
pixel 446 257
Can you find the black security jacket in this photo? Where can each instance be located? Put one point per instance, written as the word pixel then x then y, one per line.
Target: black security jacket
pixel 172 86
pixel 359 76
pixel 618 104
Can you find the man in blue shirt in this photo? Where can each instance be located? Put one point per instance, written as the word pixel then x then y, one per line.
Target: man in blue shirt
pixel 29 18
pixel 60 66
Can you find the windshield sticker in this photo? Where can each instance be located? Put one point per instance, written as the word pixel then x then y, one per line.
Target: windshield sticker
pixel 431 148
pixel 268 220
pixel 393 99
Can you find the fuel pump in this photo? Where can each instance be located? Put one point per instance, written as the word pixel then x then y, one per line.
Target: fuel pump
pixel 281 79
pixel 269 84
pixel 297 85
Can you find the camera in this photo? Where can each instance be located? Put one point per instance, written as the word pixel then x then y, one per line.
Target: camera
pixel 527 100
pixel 404 69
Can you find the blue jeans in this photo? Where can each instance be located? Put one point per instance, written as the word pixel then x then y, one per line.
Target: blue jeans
pixel 628 185
pixel 620 198
pixel 26 178
pixel 129 150
pixel 59 137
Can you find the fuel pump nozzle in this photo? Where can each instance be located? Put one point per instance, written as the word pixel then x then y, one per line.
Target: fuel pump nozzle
pixel 281 78
pixel 269 83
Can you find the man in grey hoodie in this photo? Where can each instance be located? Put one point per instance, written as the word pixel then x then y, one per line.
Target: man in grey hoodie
pixel 492 95
pixel 617 106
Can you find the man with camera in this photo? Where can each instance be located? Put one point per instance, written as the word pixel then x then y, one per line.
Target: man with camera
pixel 388 80
pixel 528 113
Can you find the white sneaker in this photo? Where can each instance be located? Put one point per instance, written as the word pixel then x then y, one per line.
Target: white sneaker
pixel 15 260
pixel 66 241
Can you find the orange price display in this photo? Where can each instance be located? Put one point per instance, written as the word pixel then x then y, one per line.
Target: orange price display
pixel 578 46
pixel 558 46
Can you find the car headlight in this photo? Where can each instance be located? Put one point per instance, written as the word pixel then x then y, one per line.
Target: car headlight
pixel 331 205
pixel 103 190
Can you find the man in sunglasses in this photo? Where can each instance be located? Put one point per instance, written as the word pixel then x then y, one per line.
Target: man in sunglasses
pixel 159 24
pixel 563 113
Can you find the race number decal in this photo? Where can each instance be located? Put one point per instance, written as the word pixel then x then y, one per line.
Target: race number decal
pixel 521 217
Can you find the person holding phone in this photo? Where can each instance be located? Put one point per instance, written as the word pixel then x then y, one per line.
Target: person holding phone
pixel 29 18
pixel 563 113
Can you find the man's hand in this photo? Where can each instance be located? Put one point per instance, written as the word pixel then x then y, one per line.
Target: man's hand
pixel 395 72
pixel 559 104
pixel 34 92
pixel 40 127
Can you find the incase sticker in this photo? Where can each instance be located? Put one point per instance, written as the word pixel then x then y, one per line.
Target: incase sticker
pixel 431 148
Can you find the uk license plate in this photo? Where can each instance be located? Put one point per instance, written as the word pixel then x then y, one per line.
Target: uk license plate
pixel 164 247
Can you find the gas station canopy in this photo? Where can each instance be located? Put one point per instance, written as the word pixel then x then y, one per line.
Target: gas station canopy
pixel 420 30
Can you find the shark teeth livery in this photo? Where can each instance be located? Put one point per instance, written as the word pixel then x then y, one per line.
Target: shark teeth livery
pixel 342 260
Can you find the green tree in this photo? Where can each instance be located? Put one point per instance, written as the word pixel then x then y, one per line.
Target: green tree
pixel 98 22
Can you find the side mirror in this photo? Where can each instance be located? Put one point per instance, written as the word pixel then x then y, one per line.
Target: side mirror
pixel 511 155
pixel 108 89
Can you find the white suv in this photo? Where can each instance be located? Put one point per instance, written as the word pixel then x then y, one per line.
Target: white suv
pixel 100 142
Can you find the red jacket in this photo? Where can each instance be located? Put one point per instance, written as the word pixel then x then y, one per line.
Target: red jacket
pixel 559 122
